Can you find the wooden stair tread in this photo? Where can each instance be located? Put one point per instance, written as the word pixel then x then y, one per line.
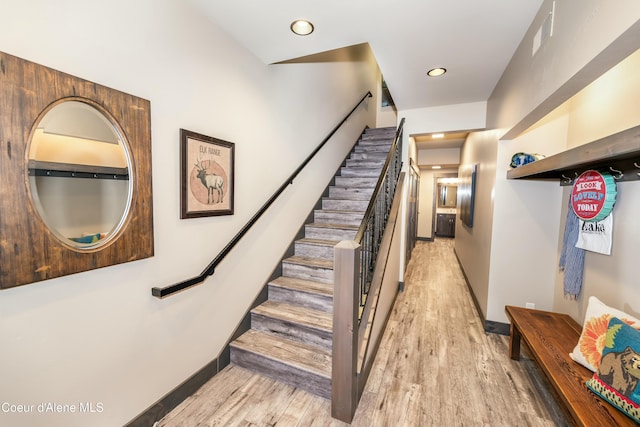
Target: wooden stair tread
pixel 344 199
pixel 333 225
pixel 303 285
pixel 361 198
pixel 353 188
pixel 302 356
pixel 374 163
pixel 360 171
pixel 319 242
pixel 382 146
pixel 340 211
pixel 378 137
pixel 310 262
pixel 316 319
pixel 360 168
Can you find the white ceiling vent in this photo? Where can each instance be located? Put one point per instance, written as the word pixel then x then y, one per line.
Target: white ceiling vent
pixel 545 31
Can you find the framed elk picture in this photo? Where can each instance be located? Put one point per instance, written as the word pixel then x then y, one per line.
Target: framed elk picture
pixel 207 167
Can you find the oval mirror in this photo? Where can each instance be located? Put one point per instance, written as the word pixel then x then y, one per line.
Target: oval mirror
pixel 78 166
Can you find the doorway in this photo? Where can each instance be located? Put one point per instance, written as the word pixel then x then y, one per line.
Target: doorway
pixel 412 209
pixel 445 205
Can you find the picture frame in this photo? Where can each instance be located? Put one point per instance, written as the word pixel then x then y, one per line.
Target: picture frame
pixel 207 175
pixel 467 192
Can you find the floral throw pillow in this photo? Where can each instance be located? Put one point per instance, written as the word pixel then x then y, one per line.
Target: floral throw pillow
pixel 618 374
pixel 588 351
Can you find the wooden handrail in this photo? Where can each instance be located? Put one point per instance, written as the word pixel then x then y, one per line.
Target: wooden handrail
pixel 172 289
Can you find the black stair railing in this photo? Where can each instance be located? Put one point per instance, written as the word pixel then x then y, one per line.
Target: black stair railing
pixel 172 289
pixel 369 235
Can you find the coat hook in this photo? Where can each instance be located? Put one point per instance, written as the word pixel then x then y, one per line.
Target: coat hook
pixel 620 174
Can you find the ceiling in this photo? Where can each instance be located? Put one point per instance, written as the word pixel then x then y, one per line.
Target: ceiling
pixel 447 140
pixel 431 159
pixel 474 40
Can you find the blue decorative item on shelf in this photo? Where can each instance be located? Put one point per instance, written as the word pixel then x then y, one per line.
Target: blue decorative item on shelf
pixel 520 159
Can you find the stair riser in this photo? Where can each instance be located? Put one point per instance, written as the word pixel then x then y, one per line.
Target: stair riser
pixel 279 371
pixel 375 140
pixel 360 172
pixel 376 145
pixel 372 148
pixel 368 155
pixel 356 182
pixel 340 217
pixel 298 271
pixel 345 205
pixel 370 136
pixel 351 193
pixel 383 129
pixel 304 299
pixel 292 331
pixel 366 163
pixel 313 250
pixel 312 232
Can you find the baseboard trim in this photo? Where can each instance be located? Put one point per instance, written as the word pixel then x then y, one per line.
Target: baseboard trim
pixel 425 239
pixel 167 403
pixel 489 326
pixel 497 327
pixel 176 396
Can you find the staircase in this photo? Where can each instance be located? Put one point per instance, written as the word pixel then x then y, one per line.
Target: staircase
pixel 291 333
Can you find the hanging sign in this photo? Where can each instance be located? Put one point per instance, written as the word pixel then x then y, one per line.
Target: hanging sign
pixel 593 195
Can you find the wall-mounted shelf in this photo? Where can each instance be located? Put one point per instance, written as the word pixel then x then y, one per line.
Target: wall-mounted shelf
pixel 69 170
pixel 618 153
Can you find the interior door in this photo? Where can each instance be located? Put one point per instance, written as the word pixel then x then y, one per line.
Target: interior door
pixel 412 210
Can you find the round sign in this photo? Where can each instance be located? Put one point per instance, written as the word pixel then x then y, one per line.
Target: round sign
pixel 593 195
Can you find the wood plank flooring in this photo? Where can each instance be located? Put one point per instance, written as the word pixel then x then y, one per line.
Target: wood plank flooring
pixel 436 367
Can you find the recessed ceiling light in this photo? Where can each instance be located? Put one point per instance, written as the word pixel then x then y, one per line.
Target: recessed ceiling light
pixel 436 167
pixel 302 27
pixel 437 135
pixel 435 72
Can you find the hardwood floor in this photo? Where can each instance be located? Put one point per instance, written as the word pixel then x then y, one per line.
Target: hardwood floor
pixel 436 367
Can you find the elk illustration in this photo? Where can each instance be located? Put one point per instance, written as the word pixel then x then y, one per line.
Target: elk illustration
pixel 212 182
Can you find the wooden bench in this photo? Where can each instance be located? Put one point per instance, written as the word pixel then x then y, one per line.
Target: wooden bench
pixel 550 337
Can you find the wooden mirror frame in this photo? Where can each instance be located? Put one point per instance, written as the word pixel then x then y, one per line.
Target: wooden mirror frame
pixel 29 251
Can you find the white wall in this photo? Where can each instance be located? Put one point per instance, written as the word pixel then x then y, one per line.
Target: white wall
pixel 425 204
pixel 100 336
pixel 525 229
pixel 589 38
pixel 473 245
pixel 444 118
pixel 577 53
pixel 440 119
pixel 387 116
pixel 439 156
